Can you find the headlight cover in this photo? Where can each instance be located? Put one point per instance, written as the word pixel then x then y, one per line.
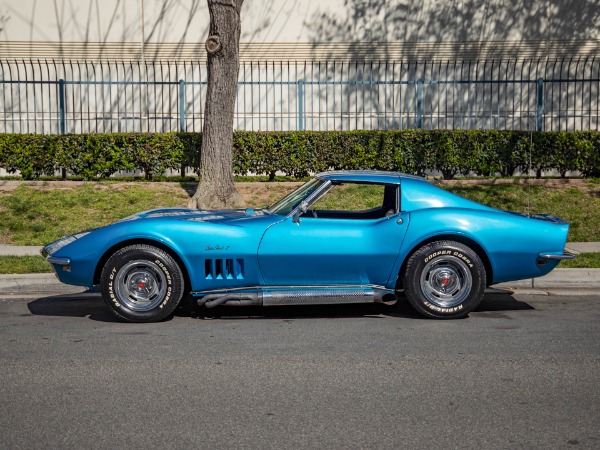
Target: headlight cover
pixel 55 246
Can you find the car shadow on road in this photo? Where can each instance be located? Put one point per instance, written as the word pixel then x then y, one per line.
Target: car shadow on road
pixel 496 303
pixel 502 302
pixel 367 310
pixel 85 304
pixel 91 306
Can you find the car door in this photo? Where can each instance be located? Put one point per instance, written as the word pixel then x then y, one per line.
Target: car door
pixel 337 247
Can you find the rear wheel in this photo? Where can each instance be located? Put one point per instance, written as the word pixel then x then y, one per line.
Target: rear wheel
pixel 142 283
pixel 444 280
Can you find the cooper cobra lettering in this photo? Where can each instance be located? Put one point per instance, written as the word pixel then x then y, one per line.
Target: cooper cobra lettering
pixel 164 269
pixel 449 252
pixel 167 297
pixel 443 310
pixel 436 254
pixel 464 258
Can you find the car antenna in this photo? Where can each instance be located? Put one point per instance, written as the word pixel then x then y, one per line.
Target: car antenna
pixel 529 174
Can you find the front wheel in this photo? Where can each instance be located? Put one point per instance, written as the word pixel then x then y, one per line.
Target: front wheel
pixel 141 283
pixel 444 280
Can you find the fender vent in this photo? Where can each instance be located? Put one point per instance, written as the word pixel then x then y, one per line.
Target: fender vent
pixel 224 269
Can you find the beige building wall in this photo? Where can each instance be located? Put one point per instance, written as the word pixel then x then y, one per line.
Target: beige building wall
pixel 369 55
pixel 302 21
pixel 145 20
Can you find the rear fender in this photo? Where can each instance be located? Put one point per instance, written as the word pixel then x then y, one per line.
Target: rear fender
pixel 511 243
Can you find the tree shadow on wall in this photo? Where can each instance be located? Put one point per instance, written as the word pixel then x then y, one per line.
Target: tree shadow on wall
pixel 442 41
pixel 443 21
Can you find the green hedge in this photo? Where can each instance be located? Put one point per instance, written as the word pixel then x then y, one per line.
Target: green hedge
pixel 452 152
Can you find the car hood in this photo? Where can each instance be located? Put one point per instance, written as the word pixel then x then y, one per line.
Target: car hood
pixel 197 215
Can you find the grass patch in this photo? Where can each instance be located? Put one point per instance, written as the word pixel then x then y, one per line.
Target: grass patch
pixel 24 264
pixel 582 261
pixel 351 197
pixel 36 215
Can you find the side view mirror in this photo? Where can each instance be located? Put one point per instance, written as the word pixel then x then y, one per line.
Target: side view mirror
pixel 300 210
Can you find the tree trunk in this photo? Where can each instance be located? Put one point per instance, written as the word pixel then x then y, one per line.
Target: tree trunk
pixel 216 189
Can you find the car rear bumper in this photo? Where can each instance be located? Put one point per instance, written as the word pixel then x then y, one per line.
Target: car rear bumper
pixel 564 255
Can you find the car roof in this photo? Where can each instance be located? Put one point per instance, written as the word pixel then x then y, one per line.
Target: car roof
pixel 367 176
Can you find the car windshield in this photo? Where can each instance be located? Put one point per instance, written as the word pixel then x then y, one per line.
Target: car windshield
pixel 287 204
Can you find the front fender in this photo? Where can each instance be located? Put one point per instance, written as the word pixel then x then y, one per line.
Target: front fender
pixel 192 242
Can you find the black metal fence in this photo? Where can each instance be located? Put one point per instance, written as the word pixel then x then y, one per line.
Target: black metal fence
pixel 45 96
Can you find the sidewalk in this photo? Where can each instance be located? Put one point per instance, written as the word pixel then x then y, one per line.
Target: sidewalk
pixel 583 247
pixel 19 250
pixel 558 282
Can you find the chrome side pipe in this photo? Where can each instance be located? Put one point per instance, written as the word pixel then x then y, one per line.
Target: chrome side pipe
pixel 242 299
pixel 311 296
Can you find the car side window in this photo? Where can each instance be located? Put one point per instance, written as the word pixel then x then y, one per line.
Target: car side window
pixel 356 201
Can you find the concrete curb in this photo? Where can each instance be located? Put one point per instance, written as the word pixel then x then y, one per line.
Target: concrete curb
pixel 558 282
pixel 583 247
pixel 558 279
pixel 35 283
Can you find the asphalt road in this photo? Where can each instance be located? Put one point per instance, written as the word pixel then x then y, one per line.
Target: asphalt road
pixel 520 372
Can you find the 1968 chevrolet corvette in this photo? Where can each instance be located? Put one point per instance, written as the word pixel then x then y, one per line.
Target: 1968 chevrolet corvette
pixel 343 237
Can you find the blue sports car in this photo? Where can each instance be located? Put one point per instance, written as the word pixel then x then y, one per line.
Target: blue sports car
pixel 343 237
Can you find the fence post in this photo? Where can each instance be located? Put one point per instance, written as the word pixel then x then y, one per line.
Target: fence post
pixel 420 104
pixel 61 107
pixel 540 104
pixel 300 104
pixel 182 126
pixel 62 126
pixel 181 106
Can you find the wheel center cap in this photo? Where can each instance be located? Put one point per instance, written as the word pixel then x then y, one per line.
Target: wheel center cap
pixel 141 285
pixel 444 279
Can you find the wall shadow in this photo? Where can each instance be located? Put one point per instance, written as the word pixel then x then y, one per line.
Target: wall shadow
pixel 532 39
pixel 469 20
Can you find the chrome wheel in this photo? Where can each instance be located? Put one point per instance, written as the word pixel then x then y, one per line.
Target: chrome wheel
pixel 446 281
pixel 140 285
